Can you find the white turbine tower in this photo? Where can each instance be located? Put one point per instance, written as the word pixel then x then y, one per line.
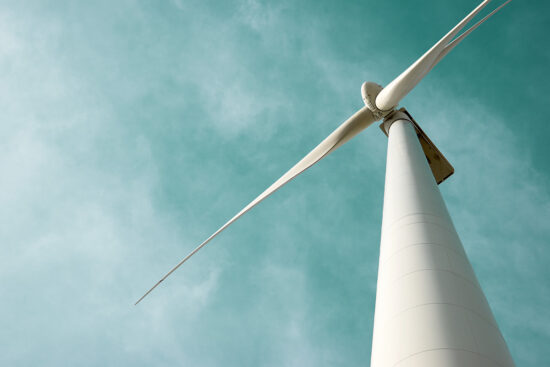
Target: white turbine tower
pixel 430 310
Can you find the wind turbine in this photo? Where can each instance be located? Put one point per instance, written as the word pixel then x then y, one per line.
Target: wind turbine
pixel 430 310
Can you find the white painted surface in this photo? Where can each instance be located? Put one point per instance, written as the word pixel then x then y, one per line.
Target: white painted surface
pixel 394 92
pixel 430 309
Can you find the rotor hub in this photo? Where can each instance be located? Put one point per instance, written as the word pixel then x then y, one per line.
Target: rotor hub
pixel 369 92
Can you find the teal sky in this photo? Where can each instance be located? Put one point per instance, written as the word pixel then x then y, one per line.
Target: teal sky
pixel 131 130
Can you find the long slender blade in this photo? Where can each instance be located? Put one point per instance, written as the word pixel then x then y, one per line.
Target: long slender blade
pixel 459 39
pixel 351 127
pixel 390 96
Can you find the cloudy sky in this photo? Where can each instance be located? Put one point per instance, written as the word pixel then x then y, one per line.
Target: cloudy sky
pixel 131 130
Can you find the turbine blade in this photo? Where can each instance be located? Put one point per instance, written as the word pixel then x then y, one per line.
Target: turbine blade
pixel 459 39
pixel 351 127
pixel 390 96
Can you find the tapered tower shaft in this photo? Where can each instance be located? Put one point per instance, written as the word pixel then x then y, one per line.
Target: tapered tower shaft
pixel 430 309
